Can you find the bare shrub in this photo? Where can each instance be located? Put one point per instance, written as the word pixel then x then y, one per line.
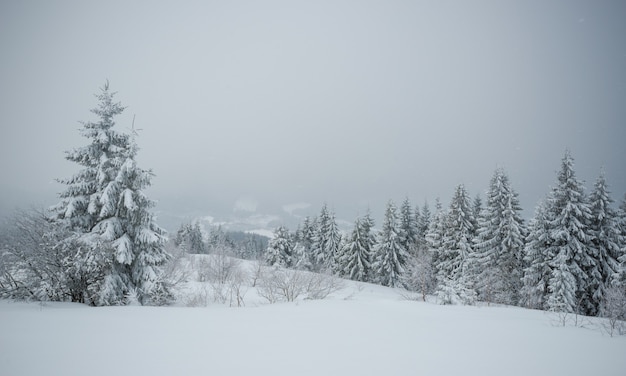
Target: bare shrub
pixel 319 286
pixel 614 311
pixel 257 272
pixel 237 289
pixel 199 298
pixel 277 284
pixel 221 267
pixel 419 276
pixel 282 285
pixel 175 271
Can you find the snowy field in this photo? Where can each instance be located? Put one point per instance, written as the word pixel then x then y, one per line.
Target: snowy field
pixel 362 329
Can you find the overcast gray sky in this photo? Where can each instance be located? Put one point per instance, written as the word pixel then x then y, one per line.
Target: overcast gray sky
pixel 247 106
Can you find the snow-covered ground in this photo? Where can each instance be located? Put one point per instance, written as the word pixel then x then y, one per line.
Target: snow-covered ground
pixel 362 329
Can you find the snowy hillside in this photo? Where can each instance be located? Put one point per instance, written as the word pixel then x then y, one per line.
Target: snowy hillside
pixel 361 329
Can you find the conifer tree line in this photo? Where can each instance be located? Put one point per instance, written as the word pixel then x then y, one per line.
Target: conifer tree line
pixel 101 245
pixel 566 259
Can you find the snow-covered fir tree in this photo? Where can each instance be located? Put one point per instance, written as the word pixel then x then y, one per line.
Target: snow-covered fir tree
pixel 453 275
pixel 280 249
pixel 570 240
pixel 408 227
pixel 105 208
pixel 477 209
pixel 423 218
pixel 435 234
pixel 389 253
pixel 327 241
pixel 562 286
pixel 499 245
pixel 218 242
pixel 621 277
pixel 537 258
pixel 356 254
pixel 191 238
pixel 606 242
pixel 304 241
pixel 368 237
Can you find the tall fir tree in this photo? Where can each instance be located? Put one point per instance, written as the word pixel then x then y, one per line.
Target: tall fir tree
pixel 605 243
pixel 477 209
pixel 537 260
pixel 356 254
pixel 621 275
pixel 105 207
pixel 327 241
pixel 423 223
pixel 368 237
pixel 454 279
pixel 390 255
pixel 435 234
pixel 499 245
pixel 570 240
pixel 408 227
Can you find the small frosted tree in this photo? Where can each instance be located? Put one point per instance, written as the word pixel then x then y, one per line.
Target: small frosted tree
pixel 280 249
pixel 304 242
pixel 562 286
pixel 191 237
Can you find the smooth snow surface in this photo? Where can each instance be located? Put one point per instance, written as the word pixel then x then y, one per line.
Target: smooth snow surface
pixel 368 330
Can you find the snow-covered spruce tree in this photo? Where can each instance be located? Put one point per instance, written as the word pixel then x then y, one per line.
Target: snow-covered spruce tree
pixel 570 236
pixel 453 275
pixel 389 253
pixel 368 238
pixel 499 245
pixel 537 258
pixel 606 239
pixel 280 249
pixel 477 209
pixel 423 218
pixel 304 241
pixel 621 277
pixel 104 206
pixel 562 287
pixel 131 227
pixel 356 255
pixel 435 234
pixel 327 241
pixel 191 236
pixel 408 227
